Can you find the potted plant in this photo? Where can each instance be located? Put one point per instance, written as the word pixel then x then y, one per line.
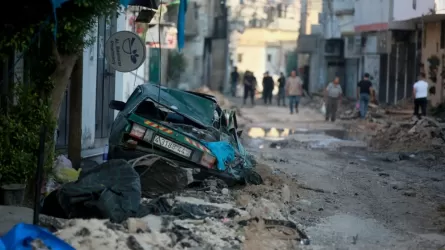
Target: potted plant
pixel 19 137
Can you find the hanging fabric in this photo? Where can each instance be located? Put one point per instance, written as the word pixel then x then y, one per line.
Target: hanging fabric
pixel 56 4
pixel 181 23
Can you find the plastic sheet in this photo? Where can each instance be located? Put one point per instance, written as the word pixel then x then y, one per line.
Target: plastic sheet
pixel 23 235
pixel 223 151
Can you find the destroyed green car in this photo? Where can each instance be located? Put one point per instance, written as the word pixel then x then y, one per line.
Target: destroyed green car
pixel 179 125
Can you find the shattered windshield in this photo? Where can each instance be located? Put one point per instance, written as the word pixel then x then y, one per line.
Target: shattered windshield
pixel 196 108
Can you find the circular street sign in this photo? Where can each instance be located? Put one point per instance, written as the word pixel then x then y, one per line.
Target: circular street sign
pixel 125 51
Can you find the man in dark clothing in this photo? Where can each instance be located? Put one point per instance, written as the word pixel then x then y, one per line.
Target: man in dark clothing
pixel 234 78
pixel 249 87
pixel 281 89
pixel 365 93
pixel 268 85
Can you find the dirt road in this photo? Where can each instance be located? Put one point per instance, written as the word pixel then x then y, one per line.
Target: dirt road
pixel 349 197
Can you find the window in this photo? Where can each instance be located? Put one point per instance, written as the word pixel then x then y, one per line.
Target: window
pixel 240 58
pixel 269 57
pixel 442 34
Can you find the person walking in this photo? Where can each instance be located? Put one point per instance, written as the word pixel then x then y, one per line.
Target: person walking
pixel 420 94
pixel 268 86
pixel 365 93
pixel 234 78
pixel 333 95
pixel 281 91
pixel 249 82
pixel 294 90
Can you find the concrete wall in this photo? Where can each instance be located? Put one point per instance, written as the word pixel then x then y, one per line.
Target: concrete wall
pixel 432 47
pixel 371 14
pixel 252 59
pixel 371 65
pixel 314 8
pixel 89 93
pixel 89 86
pixel 404 10
pixel 255 44
pixel 275 65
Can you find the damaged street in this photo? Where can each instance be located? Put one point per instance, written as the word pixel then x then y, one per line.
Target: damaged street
pixel 307 184
pixel 349 195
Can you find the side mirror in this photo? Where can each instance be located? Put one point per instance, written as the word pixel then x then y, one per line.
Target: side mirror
pixel 117 105
pixel 239 132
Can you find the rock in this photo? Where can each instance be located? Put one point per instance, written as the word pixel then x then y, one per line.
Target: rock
pixel 285 194
pixel 397 185
pixel 225 191
pixel 265 209
pixel 305 202
pixel 392 158
pixel 135 225
pixel 430 157
pixel 409 193
pixel 383 174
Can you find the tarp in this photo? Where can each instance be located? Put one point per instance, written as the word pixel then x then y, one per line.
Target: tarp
pixel 159 177
pixel 111 190
pixel 224 152
pixel 22 236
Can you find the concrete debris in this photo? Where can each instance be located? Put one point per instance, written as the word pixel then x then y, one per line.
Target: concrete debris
pixel 225 104
pixel 222 101
pixel 409 136
pixel 206 217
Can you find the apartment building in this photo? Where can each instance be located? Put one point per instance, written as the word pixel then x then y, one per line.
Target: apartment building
pixel 263 35
pixel 392 40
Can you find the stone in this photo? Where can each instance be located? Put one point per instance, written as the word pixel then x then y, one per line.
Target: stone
pixel 285 194
pixel 397 185
pixel 225 191
pixel 409 193
pixel 137 225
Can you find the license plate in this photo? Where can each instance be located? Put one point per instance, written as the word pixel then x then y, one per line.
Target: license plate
pixel 172 146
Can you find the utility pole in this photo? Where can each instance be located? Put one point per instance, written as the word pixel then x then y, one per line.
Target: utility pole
pixel 75 114
pixel 226 11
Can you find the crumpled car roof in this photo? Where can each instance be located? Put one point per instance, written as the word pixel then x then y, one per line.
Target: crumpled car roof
pixel 199 109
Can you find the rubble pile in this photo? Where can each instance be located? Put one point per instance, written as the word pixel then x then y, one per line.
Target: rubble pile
pixel 225 104
pixel 222 101
pixel 206 217
pixel 411 136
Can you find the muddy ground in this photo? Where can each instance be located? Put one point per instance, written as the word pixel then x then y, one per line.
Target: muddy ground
pixel 347 196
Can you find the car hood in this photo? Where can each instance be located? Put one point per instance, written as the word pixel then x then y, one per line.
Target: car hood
pixel 199 109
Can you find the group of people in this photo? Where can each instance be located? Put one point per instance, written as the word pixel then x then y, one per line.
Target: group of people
pixel 292 87
pixel 367 94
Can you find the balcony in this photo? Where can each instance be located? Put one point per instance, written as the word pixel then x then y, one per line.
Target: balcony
pixel 343 7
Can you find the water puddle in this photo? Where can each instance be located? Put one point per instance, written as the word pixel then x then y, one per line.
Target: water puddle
pixel 277 134
pixel 279 138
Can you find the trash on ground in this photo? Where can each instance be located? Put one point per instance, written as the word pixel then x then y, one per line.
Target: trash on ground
pixel 204 217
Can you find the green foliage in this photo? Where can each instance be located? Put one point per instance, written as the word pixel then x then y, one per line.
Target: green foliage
pixel 20 136
pixel 75 20
pixel 176 65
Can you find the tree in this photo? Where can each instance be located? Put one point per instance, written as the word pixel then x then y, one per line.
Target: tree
pixel 57 55
pixel 51 46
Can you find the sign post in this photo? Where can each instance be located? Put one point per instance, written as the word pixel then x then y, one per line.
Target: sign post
pixel 125 51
